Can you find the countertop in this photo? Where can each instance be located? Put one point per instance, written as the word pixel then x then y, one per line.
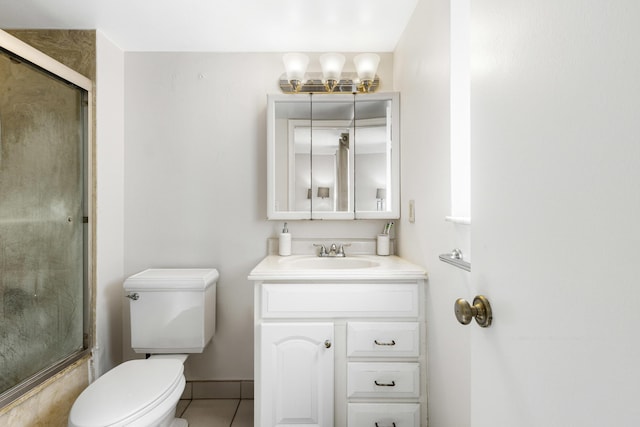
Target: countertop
pixel 296 267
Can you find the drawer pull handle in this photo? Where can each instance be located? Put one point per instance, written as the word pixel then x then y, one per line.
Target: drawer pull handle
pixel 391 384
pixel 392 424
pixel 393 342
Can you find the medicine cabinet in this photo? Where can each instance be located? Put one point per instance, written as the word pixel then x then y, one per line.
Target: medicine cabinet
pixel 333 156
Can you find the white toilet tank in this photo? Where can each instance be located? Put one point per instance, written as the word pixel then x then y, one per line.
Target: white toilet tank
pixel 172 310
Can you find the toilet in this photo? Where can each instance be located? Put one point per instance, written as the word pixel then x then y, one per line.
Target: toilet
pixel 172 315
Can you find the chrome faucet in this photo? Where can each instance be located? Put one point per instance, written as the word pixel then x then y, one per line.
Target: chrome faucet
pixel 334 250
pixel 341 250
pixel 323 251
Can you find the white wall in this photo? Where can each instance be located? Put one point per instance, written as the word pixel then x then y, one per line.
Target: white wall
pixel 421 73
pixel 195 183
pixel 109 192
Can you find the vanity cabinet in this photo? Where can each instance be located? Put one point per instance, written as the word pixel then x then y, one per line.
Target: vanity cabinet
pixel 339 353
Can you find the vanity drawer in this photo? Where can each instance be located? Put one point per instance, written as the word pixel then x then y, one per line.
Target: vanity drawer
pixel 386 380
pixel 326 300
pixel 378 339
pixel 384 415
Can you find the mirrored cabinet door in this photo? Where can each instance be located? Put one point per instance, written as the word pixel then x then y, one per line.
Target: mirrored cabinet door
pixel 332 193
pixel 377 157
pixel 289 157
pixel 332 156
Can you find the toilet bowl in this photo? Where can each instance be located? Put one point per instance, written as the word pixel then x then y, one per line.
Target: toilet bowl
pixel 172 314
pixel 137 393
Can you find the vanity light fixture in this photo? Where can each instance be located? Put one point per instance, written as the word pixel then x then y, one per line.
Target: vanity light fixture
pixel 295 65
pixel 331 64
pixel 332 79
pixel 323 192
pixel 367 65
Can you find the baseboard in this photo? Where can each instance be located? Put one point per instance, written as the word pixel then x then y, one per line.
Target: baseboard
pixel 218 390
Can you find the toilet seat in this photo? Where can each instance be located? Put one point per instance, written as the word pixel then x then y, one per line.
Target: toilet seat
pixel 128 392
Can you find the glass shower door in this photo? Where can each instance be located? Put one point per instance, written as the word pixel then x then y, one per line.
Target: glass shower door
pixel 43 123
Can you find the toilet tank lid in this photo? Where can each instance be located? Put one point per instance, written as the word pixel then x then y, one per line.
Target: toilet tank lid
pixel 172 278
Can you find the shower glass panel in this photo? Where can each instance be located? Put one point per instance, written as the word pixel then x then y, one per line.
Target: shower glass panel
pixel 43 133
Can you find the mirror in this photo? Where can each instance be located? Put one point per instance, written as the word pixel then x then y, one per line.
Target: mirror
pixel 333 156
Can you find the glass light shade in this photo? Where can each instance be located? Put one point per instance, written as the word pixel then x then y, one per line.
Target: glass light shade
pixel 366 65
pixel 332 64
pixel 295 65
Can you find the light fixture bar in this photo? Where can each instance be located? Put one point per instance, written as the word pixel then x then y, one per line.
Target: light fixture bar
pixel 349 83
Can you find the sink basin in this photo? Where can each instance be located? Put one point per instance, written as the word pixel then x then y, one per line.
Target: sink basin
pixel 327 263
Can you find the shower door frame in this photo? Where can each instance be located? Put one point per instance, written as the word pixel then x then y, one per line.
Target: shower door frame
pixel 40 60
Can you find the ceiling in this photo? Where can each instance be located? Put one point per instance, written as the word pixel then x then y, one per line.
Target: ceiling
pixel 223 25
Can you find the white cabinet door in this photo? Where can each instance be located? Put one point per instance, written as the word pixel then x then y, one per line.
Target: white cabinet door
pixel 296 378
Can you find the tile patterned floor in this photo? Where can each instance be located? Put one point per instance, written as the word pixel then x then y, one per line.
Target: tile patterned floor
pixel 217 412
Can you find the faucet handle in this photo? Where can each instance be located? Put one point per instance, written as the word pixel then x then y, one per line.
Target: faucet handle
pixel 323 250
pixel 341 249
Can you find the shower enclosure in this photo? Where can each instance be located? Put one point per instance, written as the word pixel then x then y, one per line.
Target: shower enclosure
pixel 43 219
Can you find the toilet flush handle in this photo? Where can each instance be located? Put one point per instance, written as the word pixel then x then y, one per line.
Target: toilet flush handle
pixel 134 296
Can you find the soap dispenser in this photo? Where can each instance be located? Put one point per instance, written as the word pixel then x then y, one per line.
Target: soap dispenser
pixel 284 244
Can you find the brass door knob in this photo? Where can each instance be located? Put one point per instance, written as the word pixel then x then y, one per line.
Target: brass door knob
pixel 481 310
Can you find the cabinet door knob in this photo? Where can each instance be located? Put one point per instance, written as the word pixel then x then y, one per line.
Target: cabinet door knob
pixel 392 342
pixel 391 384
pixel 134 296
pixel 382 425
pixel 327 344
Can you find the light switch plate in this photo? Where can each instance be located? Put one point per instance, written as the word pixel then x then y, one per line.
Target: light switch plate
pixel 412 211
